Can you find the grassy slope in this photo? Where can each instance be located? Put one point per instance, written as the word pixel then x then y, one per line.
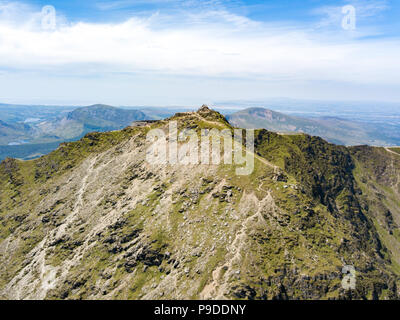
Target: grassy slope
pixel 23 186
pixel 397 150
pixel 327 175
pixel 378 174
pixel 296 250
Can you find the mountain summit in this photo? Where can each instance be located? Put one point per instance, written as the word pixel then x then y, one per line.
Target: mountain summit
pixel 95 220
pixel 204 109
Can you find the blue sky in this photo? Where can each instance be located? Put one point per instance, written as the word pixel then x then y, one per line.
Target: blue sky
pixel 262 10
pixel 189 52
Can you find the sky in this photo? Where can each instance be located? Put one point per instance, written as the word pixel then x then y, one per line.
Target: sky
pixel 190 52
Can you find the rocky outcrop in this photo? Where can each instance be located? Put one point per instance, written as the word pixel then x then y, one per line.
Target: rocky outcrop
pixel 95 220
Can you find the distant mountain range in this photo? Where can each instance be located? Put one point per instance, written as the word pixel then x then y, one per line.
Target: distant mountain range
pixel 28 132
pixel 333 129
pixel 103 116
pixel 36 136
pixel 83 120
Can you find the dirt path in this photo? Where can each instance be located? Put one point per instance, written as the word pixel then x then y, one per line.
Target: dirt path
pixel 263 160
pixel 391 151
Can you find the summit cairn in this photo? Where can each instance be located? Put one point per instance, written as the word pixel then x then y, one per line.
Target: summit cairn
pixel 212 115
pixel 204 109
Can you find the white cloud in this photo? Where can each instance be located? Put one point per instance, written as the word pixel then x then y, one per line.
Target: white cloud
pixel 365 9
pixel 213 43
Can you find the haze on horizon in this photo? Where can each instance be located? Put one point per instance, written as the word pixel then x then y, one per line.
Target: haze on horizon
pixel 174 52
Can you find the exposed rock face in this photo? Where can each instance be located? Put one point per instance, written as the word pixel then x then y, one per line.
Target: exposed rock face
pixel 95 220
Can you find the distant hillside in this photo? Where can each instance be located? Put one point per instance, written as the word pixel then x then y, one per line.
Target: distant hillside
pixel 26 140
pixel 333 129
pixel 15 131
pixel 103 116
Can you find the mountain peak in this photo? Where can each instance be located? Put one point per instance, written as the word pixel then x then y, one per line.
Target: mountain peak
pixel 211 115
pixel 203 113
pixel 204 108
pixel 103 116
pixel 104 220
pixel 100 105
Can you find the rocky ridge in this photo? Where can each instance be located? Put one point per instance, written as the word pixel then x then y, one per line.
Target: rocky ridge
pixel 94 220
